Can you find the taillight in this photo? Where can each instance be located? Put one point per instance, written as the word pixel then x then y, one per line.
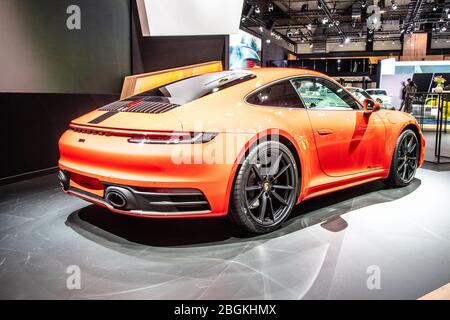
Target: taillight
pixel 174 138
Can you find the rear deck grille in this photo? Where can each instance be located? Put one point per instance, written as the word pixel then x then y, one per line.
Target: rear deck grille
pixel 114 106
pixel 143 106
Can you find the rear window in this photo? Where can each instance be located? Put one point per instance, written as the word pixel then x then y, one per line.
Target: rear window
pixel 189 89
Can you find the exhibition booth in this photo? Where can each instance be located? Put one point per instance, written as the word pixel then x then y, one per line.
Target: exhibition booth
pixel 224 150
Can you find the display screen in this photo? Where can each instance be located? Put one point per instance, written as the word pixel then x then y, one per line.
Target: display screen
pixel 189 17
pixel 58 46
pixel 245 51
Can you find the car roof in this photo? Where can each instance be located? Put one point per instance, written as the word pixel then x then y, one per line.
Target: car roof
pixel 269 74
pixel 282 71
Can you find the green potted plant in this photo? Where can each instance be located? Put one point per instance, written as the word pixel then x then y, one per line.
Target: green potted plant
pixel 439 80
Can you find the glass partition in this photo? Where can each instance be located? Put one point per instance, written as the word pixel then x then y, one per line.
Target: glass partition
pixel 432 112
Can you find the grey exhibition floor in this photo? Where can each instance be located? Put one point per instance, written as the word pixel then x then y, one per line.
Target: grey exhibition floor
pixel 324 252
pixel 431 146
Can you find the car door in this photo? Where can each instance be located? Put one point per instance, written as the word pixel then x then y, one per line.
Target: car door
pixel 347 140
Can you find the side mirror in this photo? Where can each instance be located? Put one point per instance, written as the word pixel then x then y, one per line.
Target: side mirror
pixel 371 106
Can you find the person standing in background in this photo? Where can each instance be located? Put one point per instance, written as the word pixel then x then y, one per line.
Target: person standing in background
pixel 410 89
pixel 402 95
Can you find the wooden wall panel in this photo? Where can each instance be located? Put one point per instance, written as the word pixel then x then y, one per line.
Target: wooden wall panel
pixel 414 47
pixel 146 81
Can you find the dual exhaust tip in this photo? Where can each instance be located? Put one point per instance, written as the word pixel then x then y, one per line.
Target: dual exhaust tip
pixel 118 197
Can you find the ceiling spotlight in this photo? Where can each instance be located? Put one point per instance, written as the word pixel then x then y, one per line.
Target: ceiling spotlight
pixel 257 10
pixel 363 3
pixel 347 40
pixel 319 4
pixel 337 22
pixel 303 40
pixel 435 7
pixel 261 29
pixel 243 19
pixel 289 33
pixel 309 26
pixel 443 28
pixel 311 45
pixel 402 30
pixel 394 6
pixel 268 41
pixel 324 20
pixel 354 24
pixel 270 7
pixel 341 44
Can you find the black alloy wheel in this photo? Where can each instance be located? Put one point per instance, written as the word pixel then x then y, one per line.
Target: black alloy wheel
pixel 405 160
pixel 266 188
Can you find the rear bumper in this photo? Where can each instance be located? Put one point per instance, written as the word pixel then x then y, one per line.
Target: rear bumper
pixel 142 208
pixel 113 161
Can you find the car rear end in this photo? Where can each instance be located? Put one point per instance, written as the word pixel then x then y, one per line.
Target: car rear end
pixel 142 173
pixel 133 156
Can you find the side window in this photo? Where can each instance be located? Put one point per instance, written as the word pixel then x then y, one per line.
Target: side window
pixel 281 94
pixel 318 93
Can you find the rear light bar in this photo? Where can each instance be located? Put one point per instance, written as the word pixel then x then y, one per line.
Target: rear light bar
pixel 174 138
pixel 149 137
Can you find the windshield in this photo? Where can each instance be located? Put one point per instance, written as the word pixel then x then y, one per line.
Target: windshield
pixel 377 92
pixel 360 94
pixel 189 89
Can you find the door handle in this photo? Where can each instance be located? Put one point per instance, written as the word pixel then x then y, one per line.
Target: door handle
pixel 325 132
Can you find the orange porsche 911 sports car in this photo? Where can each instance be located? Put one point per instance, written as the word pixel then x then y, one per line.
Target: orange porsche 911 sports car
pixel 249 144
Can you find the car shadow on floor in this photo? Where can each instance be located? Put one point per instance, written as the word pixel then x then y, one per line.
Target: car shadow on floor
pixel 93 221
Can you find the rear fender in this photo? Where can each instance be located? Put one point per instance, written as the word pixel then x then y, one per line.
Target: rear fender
pixel 253 141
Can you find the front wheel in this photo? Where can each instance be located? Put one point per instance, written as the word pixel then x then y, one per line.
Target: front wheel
pixel 266 188
pixel 405 160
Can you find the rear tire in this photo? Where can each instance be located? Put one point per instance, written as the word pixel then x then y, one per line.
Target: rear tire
pixel 266 188
pixel 405 160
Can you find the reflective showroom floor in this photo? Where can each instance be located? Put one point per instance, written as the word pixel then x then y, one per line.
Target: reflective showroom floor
pixel 431 145
pixel 395 240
